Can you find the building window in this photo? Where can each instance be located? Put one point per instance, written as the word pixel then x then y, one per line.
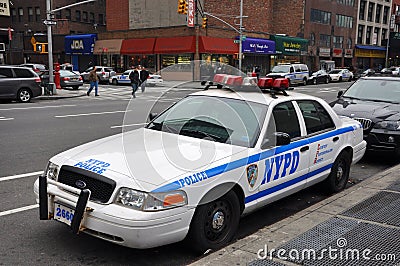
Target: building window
pixel 68 13
pixel 325 40
pixel 13 15
pixel 344 21
pixel 101 19
pixel 370 11
pixel 312 39
pixel 78 15
pixel 368 36
pixel 385 15
pixel 320 16
pixel 58 14
pixel 30 14
pixel 346 2
pixel 85 16
pixel 338 41
pixel 37 13
pixel 360 34
pixel 362 10
pixel 91 17
pixel 20 14
pixel 378 13
pixel 349 43
pixel 375 38
pixel 384 31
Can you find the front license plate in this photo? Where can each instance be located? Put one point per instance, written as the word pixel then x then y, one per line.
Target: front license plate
pixel 63 213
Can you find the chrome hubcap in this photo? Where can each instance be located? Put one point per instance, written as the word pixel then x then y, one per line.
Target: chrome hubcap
pixel 339 173
pixel 24 95
pixel 218 220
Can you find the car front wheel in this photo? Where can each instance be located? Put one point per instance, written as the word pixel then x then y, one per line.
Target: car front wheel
pixel 114 82
pixel 24 95
pixel 215 224
pixel 339 175
pixel 315 81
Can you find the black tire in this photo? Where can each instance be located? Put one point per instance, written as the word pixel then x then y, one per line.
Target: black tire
pixel 340 79
pixel 24 95
pixel 337 179
pixel 304 82
pixel 114 82
pixel 349 79
pixel 315 81
pixel 75 87
pixel 290 83
pixel 327 81
pixel 214 224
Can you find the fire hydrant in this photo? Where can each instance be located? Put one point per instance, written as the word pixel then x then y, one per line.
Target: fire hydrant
pixel 57 75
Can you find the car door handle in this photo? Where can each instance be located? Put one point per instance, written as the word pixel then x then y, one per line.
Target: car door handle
pixel 335 139
pixel 305 148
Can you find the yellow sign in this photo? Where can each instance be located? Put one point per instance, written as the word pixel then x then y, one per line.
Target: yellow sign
pixel 33 41
pixel 370 53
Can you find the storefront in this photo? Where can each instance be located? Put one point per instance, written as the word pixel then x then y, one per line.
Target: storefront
pixel 139 52
pixel 80 48
pixel 257 54
pixel 109 52
pixel 288 49
pixel 369 56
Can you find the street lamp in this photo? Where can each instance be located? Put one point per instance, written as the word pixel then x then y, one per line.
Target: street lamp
pixel 49 22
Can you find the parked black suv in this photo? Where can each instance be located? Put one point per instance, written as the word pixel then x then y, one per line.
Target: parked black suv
pixel 19 83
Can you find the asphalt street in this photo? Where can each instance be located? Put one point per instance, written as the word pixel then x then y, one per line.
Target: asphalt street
pixel 32 133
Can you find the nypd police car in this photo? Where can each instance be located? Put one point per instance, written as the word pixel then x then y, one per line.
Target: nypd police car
pixel 197 167
pixel 152 80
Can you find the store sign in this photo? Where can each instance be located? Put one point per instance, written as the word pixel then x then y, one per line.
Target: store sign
pixel 337 52
pixel 370 53
pixel 5 8
pixel 290 45
pixel 80 44
pixel 258 46
pixel 348 53
pixel 326 52
pixel 190 13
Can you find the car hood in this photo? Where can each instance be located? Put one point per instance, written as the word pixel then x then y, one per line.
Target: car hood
pixel 376 111
pixel 150 158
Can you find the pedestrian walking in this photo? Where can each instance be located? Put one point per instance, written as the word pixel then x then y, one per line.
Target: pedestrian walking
pixel 135 80
pixel 94 82
pixel 144 74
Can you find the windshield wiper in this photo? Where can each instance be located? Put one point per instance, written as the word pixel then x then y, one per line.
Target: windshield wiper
pixel 209 136
pixel 351 97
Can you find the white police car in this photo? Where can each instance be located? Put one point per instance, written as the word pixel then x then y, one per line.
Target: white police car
pixel 152 80
pixel 340 75
pixel 197 167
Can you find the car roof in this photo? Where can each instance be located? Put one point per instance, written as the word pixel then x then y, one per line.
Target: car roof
pixel 254 96
pixel 381 77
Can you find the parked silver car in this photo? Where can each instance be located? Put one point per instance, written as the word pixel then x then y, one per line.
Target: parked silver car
pixel 104 73
pixel 19 83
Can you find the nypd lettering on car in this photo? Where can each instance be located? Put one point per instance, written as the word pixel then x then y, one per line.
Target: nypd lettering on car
pixel 199 165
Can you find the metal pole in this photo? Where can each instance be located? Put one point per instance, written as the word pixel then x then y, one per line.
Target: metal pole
pixel 50 45
pixel 240 35
pixel 387 51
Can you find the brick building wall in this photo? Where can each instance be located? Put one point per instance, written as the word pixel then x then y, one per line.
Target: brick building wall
pixel 117 15
pixel 288 17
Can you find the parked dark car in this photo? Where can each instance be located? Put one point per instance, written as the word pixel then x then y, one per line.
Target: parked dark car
pixel 67 79
pixel 319 76
pixel 37 68
pixel 19 83
pixel 375 102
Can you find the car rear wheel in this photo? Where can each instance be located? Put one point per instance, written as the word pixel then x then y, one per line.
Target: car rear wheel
pixel 214 224
pixel 24 95
pixel 315 81
pixel 339 175
pixel 304 82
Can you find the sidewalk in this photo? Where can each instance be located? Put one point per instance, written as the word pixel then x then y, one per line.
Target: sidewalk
pixel 65 93
pixel 361 222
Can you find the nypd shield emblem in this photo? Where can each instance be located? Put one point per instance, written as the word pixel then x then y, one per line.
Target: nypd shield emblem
pixel 252 173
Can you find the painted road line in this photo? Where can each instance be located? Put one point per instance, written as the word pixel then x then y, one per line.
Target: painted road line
pixel 88 114
pixel 131 125
pixel 30 207
pixel 5 119
pixel 38 107
pixel 20 176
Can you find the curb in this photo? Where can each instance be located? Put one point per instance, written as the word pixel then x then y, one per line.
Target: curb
pixel 244 251
pixel 57 97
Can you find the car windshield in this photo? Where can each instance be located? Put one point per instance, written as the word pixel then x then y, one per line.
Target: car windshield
pixel 375 90
pixel 206 117
pixel 281 69
pixel 126 72
pixel 334 72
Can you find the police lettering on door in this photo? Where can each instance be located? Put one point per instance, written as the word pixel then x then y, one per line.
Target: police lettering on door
pixel 284 165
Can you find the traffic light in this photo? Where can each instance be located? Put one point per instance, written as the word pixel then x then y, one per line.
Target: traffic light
pixel 40 48
pixel 182 7
pixel 204 23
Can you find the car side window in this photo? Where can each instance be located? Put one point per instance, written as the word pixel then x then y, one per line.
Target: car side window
pixel 298 69
pixel 6 72
pixel 291 70
pixel 286 119
pixel 315 116
pixel 23 73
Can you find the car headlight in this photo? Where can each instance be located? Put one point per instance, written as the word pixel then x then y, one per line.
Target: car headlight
pixel 388 125
pixel 143 201
pixel 51 171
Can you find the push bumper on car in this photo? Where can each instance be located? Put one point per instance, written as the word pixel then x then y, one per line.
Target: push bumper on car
pixel 112 222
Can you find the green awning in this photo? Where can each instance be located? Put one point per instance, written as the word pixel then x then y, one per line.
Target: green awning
pixel 289 45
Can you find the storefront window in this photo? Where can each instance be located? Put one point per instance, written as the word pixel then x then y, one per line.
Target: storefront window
pixel 148 61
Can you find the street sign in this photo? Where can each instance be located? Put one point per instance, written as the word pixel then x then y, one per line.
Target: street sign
pixel 244 37
pixel 49 22
pixel 236 41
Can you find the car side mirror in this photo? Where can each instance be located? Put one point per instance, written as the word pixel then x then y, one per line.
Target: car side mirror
pixel 339 94
pixel 152 116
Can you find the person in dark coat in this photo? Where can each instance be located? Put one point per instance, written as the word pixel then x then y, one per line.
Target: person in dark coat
pixel 144 74
pixel 135 81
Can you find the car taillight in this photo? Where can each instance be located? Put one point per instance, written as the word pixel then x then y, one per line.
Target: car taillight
pixel 103 73
pixel 36 70
pixel 65 78
pixel 80 77
pixel 149 77
pixel 38 80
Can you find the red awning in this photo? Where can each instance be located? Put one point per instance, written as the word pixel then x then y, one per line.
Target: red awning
pixel 214 45
pixel 175 45
pixel 138 46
